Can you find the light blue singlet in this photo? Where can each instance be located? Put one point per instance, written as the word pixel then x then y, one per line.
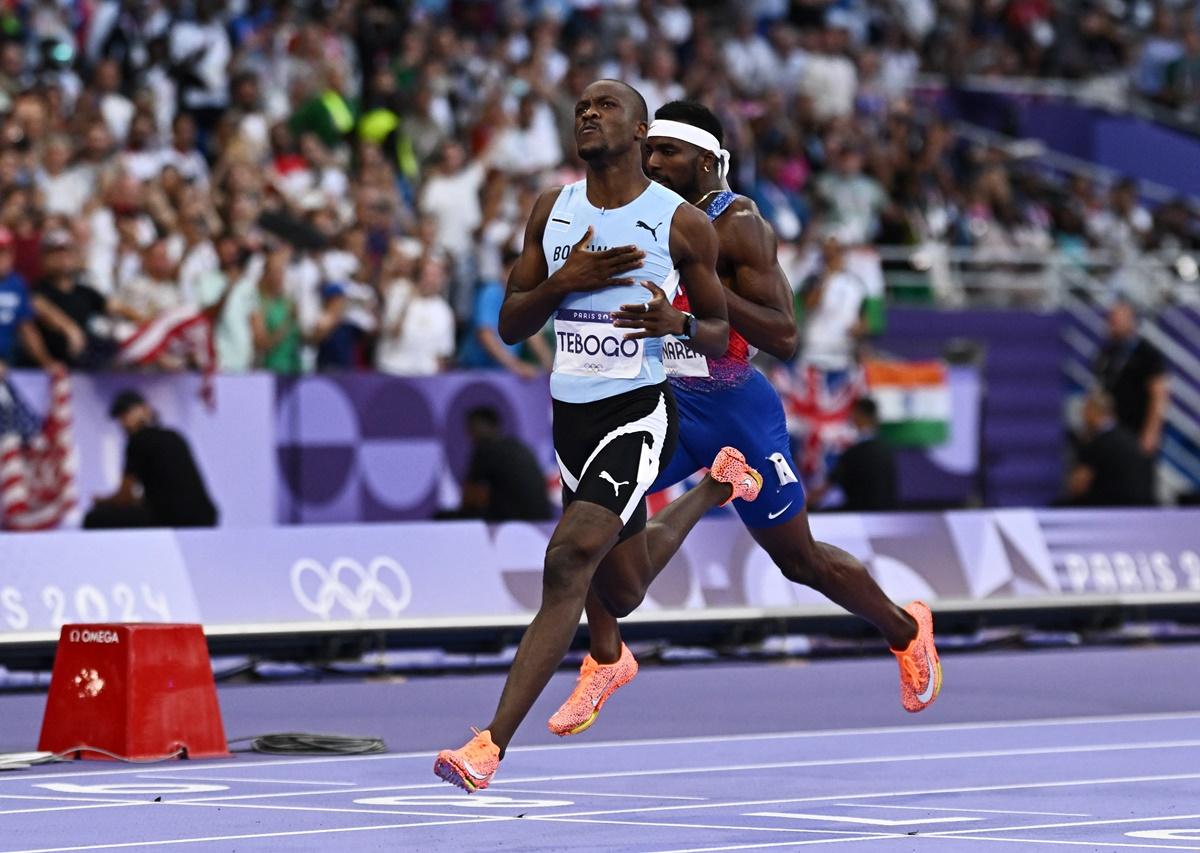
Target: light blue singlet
pixel 592 360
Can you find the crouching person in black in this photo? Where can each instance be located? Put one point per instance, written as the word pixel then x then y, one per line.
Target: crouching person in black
pixel 161 485
pixel 1110 469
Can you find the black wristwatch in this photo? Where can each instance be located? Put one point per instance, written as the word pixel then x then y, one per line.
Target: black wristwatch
pixel 689 327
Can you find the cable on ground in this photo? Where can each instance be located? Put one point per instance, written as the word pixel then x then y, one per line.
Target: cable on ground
pixel 305 743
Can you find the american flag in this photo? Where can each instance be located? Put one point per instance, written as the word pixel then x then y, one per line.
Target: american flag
pixel 185 332
pixel 37 459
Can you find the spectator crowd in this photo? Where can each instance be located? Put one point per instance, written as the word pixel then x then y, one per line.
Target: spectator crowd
pixel 342 184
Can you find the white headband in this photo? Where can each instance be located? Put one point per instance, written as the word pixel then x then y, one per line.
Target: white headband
pixel 697 136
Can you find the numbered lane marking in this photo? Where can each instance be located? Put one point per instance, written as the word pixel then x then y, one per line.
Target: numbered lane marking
pixel 1167 834
pixel 131 788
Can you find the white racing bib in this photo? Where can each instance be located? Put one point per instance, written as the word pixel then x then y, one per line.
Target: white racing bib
pixel 588 344
pixel 679 359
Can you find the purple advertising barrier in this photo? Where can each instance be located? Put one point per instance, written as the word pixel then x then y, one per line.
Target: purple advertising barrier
pixel 347 572
pixel 345 448
pixel 96 576
pixel 367 447
pixel 232 440
pixel 353 448
pixel 1117 141
pixel 1125 551
pixel 1021 430
pixel 413 574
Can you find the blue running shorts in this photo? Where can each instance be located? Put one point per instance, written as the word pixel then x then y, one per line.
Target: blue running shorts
pixel 749 417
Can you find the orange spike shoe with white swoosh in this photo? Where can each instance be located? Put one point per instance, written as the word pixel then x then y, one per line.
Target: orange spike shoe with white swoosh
pixel 920 668
pixel 730 467
pixel 596 682
pixel 471 766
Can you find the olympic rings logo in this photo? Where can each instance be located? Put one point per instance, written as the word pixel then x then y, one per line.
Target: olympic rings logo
pixel 346 583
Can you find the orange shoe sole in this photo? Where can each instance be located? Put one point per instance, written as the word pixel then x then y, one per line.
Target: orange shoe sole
pixel 450 772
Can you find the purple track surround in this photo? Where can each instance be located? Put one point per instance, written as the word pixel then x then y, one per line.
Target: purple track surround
pixel 1082 749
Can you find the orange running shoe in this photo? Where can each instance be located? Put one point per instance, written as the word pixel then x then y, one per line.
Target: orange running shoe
pixel 730 467
pixel 596 682
pixel 472 766
pixel 920 669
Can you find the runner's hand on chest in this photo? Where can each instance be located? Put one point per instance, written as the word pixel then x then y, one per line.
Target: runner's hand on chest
pixel 585 270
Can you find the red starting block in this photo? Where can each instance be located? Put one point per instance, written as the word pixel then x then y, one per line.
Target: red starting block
pixel 139 690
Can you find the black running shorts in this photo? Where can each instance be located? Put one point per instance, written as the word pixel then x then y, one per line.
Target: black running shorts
pixel 609 451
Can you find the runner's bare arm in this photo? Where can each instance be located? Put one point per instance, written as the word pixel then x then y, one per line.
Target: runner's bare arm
pixel 533 295
pixel 527 305
pixel 694 250
pixel 759 297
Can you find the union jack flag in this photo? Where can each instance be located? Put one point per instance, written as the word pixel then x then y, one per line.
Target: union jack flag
pixel 37 459
pixel 817 403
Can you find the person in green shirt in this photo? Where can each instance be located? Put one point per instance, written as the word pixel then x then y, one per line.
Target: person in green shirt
pixel 325 112
pixel 276 330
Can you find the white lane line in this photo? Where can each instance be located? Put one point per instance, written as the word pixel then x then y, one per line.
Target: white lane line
pixel 942 809
pixel 61 798
pixel 987 725
pixel 163 842
pixel 743 827
pixel 272 807
pixel 1066 824
pixel 69 808
pixel 561 793
pixel 866 821
pixel 776 844
pixel 845 762
pixel 219 765
pixel 716 804
pixel 243 779
pixel 620 744
pixel 738 768
pixel 1093 844
pixel 973 789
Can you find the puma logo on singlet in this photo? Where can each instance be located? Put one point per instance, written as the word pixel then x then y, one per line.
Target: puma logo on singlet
pixel 653 231
pixel 604 475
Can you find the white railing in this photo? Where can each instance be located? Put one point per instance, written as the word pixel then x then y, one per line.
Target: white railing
pixel 957 276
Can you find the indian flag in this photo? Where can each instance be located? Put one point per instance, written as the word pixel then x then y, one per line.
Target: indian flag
pixel 913 399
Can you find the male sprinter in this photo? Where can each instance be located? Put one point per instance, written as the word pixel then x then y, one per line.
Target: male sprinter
pixel 614 415
pixel 726 400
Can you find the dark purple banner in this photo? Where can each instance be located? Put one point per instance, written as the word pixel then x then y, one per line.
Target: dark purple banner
pixel 368 447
